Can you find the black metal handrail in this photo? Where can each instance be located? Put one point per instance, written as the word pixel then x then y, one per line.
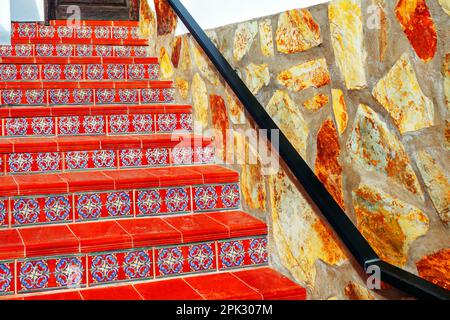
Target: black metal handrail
pixel 337 218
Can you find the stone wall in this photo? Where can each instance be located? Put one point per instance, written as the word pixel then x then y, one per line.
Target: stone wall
pixel 367 106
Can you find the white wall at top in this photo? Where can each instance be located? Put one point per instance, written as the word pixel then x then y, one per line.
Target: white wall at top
pixel 216 13
pixel 5 23
pixel 27 10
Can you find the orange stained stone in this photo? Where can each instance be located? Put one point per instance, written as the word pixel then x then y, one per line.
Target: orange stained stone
pixel 327 167
pixel 354 291
pixel 220 118
pixel 331 247
pixel 317 102
pixel 436 268
pixel 418 25
pixel 166 17
pixel 176 51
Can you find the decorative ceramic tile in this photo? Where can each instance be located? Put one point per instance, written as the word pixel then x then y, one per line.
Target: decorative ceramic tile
pixel 50 274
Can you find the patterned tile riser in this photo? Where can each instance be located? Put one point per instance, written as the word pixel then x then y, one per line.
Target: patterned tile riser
pixel 41 97
pixel 35 31
pixel 78 72
pixel 97 160
pixel 18 212
pixel 143 264
pixel 96 125
pixel 72 50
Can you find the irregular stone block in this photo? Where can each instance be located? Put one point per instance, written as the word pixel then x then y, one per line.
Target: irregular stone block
pixel 243 39
pixel 167 18
pixel 388 224
pixel 445 4
pixel 317 102
pixel 347 38
pixel 437 183
pixel 327 167
pixel 288 117
pixel 165 64
pixel 200 100
pixel 400 94
pixel 203 66
pixel 418 25
pixel 447 134
pixel 220 122
pixel 147 20
pixel 300 236
pixel 297 31
pixel 257 76
pixel 355 291
pixel 436 268
pixel 446 73
pixel 313 73
pixel 253 185
pixel 340 110
pixel 176 51
pixel 236 112
pixel 373 147
pixel 183 87
pixel 185 60
pixel 266 38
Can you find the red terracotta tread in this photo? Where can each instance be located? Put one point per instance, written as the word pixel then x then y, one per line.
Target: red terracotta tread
pixel 108 84
pixel 240 285
pixel 78 60
pixel 112 42
pixel 85 143
pixel 90 110
pixel 110 23
pixel 121 234
pixel 26 185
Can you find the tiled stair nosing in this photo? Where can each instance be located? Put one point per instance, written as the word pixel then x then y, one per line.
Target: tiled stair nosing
pixel 86 143
pixel 78 60
pixel 91 84
pixel 89 110
pixel 61 183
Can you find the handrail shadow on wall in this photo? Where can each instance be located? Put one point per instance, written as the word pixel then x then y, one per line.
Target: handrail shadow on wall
pixel 337 218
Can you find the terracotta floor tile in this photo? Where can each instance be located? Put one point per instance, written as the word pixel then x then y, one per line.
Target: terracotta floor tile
pixel 8 187
pixel 174 289
pixel 111 293
pixel 197 228
pixel 34 145
pixel 121 142
pixel 88 181
pixel 41 184
pixel 133 179
pixel 178 176
pixel 6 146
pixel 271 284
pixel 101 236
pixel 222 286
pixel 150 232
pixel 216 174
pixel 67 296
pixel 241 224
pixel 85 143
pixel 49 240
pixel 11 245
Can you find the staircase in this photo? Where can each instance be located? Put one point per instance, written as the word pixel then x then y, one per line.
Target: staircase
pixel 105 193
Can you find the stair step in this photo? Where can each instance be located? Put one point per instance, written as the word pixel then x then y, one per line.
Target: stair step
pixel 71 50
pixel 237 285
pixel 97 93
pixel 78 72
pixel 32 32
pixel 78 60
pixel 94 120
pixel 112 23
pixel 67 154
pixel 110 252
pixel 77 197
